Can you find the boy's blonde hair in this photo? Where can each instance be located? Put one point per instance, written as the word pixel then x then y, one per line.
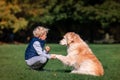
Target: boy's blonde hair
pixel 39 31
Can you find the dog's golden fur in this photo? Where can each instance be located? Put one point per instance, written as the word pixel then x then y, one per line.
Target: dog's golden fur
pixel 80 56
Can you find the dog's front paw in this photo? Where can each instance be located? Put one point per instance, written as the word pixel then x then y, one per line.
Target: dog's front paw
pixel 74 71
pixel 57 56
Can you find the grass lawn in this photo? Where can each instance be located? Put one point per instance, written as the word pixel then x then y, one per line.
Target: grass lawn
pixel 13 66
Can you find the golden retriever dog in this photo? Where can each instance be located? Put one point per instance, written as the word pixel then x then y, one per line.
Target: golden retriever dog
pixel 79 56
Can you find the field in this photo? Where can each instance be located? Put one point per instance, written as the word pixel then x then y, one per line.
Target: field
pixel 13 66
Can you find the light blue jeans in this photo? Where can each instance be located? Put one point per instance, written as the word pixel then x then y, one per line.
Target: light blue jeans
pixel 37 62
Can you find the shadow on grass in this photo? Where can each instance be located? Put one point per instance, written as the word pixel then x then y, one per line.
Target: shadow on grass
pixel 49 70
pixel 63 71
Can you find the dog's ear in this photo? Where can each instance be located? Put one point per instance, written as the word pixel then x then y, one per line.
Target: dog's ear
pixel 73 37
pixel 70 36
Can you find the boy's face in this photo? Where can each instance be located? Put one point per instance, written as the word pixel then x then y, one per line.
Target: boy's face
pixel 43 37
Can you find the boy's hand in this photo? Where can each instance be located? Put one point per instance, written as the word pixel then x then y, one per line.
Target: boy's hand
pixel 53 56
pixel 47 48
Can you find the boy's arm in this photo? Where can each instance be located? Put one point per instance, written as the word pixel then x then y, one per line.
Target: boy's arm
pixel 38 49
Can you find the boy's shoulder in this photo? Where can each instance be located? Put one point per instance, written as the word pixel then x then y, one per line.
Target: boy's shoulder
pixel 34 39
pixel 37 39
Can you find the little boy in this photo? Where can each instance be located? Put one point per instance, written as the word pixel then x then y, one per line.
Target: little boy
pixel 35 55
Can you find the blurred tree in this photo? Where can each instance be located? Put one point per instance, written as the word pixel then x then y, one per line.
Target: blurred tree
pixel 92 14
pixel 90 18
pixel 8 18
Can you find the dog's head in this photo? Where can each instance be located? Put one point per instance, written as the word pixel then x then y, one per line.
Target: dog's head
pixel 69 38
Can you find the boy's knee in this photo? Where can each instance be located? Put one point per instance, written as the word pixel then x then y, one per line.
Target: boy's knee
pixel 43 60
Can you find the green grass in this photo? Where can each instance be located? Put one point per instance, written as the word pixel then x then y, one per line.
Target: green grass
pixel 13 66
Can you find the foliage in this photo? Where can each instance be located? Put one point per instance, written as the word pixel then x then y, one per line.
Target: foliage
pixel 104 12
pixel 108 13
pixel 91 15
pixel 13 66
pixel 8 18
pixel 48 12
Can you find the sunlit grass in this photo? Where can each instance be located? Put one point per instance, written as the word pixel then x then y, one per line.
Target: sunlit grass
pixel 13 66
